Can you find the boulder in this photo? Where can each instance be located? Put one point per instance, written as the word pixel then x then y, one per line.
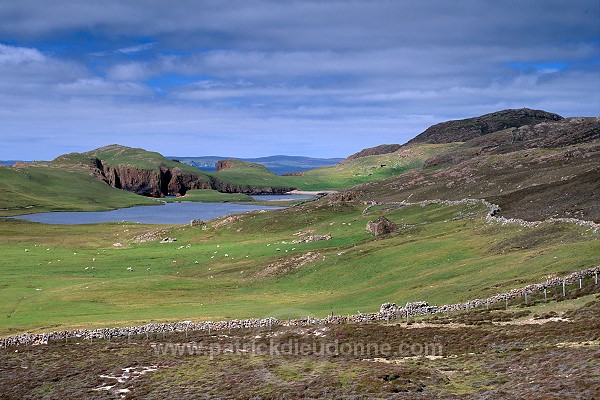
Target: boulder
pixel 196 222
pixel 381 226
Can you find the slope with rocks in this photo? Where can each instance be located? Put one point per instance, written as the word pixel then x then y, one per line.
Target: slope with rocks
pixel 551 169
pixel 471 128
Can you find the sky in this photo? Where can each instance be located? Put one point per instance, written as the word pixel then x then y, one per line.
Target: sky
pixel 252 78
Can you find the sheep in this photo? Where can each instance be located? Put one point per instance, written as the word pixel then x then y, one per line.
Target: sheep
pixel 129 269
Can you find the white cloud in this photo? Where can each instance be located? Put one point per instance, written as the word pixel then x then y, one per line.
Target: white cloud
pixel 11 55
pixel 136 49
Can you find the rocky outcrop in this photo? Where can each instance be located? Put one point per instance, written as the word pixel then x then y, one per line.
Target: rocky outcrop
pixel 471 128
pixel 223 164
pixel 146 182
pixel 381 226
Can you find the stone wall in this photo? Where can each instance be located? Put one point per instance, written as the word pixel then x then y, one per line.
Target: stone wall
pixel 388 312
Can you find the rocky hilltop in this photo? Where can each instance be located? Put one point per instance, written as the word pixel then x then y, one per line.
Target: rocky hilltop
pixel 471 128
pixel 534 171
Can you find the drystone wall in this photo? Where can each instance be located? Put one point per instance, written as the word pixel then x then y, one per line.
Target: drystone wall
pixel 491 213
pixel 387 312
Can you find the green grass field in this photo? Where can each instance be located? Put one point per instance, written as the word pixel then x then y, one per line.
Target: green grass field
pixel 41 189
pixel 54 277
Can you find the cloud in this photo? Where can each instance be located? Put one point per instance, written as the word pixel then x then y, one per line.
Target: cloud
pixel 11 55
pixel 268 74
pixel 136 49
pixel 100 87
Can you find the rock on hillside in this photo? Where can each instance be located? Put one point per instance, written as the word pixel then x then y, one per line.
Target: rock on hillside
pixel 375 151
pixel 471 128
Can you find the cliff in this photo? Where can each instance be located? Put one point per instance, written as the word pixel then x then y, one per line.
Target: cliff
pixel 150 174
pixel 159 182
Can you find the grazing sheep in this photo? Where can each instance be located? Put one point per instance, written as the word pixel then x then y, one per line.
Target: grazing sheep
pixel 129 269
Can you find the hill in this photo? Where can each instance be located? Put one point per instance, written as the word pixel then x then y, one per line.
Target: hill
pixel 38 188
pixel 551 169
pixel 471 128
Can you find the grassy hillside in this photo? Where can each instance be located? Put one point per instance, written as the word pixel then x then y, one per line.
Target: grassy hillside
pixel 248 267
pixel 368 169
pixel 38 189
pixel 136 157
pixel 340 176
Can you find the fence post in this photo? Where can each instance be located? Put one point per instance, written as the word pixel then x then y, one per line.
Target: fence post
pixel 596 276
pixel 545 295
pixel 525 297
pixel 564 289
pixel 580 283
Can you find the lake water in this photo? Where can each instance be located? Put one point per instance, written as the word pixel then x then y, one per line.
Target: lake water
pixel 171 213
